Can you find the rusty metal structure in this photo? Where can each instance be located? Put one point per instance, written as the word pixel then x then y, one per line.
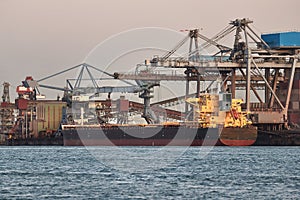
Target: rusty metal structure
pixel 252 64
pixel 6 112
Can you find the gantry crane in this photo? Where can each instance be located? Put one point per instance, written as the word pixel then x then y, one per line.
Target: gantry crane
pixel 259 66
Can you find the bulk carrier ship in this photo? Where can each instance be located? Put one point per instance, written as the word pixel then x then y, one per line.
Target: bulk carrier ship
pixel 211 126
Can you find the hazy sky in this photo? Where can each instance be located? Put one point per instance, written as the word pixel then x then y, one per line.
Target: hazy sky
pixel 41 37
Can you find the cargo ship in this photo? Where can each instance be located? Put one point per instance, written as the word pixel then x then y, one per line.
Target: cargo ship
pixel 157 135
pixel 211 126
pixel 214 120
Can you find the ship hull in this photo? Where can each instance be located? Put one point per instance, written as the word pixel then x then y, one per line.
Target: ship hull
pixel 278 138
pixel 51 141
pixel 238 136
pixel 157 136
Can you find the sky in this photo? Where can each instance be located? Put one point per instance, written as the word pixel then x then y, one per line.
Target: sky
pixel 42 37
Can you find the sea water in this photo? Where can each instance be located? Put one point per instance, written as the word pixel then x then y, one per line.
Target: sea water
pixel 149 173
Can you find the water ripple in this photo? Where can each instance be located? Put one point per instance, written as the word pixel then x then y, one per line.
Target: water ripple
pixel 225 173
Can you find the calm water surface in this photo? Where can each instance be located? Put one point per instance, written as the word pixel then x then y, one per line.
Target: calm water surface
pixel 76 173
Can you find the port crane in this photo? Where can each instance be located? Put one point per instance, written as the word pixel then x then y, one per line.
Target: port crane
pixel 243 66
pixel 251 64
pixel 74 86
pixel 149 77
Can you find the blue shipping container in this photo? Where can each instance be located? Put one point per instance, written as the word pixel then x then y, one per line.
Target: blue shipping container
pixel 282 40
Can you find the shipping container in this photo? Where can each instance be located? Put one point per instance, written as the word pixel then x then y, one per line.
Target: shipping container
pixel 49 116
pixel 282 40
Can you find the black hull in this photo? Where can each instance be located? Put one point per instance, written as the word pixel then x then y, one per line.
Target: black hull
pixel 55 141
pixel 278 138
pixel 238 136
pixel 140 136
pixel 157 136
